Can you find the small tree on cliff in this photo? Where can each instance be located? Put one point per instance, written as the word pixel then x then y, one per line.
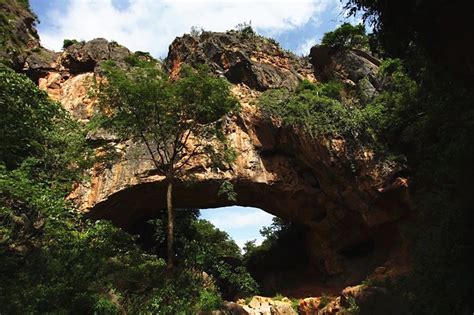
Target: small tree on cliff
pixel 177 120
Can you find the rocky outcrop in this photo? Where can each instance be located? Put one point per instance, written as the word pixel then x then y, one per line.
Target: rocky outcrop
pixel 255 61
pixel 356 68
pixel 349 197
pixel 18 36
pixel 87 56
pixel 67 76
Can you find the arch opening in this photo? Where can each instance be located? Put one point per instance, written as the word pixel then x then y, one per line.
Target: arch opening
pixel 242 224
pixel 334 247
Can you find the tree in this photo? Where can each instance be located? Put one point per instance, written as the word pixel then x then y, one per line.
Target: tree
pixel 347 36
pixel 177 121
pixel 438 29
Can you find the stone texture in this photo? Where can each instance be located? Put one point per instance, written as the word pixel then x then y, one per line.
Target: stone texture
pixel 356 68
pixel 18 33
pixel 87 56
pixel 253 60
pixel 260 305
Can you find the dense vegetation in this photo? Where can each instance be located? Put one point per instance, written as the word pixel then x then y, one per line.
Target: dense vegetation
pixel 54 260
pixel 436 132
pixel 424 112
pixel 14 40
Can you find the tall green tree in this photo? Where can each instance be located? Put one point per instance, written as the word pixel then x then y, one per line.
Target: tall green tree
pixel 177 120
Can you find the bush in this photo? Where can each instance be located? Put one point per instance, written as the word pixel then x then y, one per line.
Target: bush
pixel 281 252
pixel 313 108
pixel 69 42
pixel 246 29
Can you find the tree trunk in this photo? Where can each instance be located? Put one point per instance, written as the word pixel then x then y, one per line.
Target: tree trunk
pixel 170 242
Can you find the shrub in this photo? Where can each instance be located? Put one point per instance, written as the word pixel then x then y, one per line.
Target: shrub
pixel 246 29
pixel 69 42
pixel 313 108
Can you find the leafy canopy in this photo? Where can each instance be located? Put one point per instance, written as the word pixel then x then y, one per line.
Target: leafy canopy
pixel 37 133
pixel 347 36
pixel 143 104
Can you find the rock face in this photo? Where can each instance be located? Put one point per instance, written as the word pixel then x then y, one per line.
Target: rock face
pixel 255 61
pixel 349 197
pixel 356 68
pixel 18 35
pixel 87 56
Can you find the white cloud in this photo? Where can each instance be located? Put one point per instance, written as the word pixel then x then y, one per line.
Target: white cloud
pixel 150 25
pixel 304 48
pixel 234 218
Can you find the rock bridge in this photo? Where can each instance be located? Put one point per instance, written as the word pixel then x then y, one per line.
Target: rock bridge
pixel 350 199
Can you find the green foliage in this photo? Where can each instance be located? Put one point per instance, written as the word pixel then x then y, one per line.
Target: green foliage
pixel 55 261
pixel 278 297
pixel 143 104
pixel 14 46
pixel 201 246
pixel 227 189
pixel 105 306
pixel 312 108
pixel 27 115
pixel 393 108
pixel 209 301
pixel 168 117
pixel 69 42
pixel 37 133
pixel 294 304
pixel 184 294
pixel 325 299
pixel 347 36
pixel 353 309
pixel 412 31
pixel 428 115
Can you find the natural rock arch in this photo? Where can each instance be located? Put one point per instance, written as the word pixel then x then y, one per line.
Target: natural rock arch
pixel 350 198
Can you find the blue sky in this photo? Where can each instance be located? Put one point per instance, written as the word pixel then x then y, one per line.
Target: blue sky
pixel 151 25
pixel 241 223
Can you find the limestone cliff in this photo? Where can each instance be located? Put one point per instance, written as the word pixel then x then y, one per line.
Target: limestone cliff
pixel 350 198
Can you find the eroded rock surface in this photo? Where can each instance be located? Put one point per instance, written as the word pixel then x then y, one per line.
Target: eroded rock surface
pixel 255 61
pixel 348 196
